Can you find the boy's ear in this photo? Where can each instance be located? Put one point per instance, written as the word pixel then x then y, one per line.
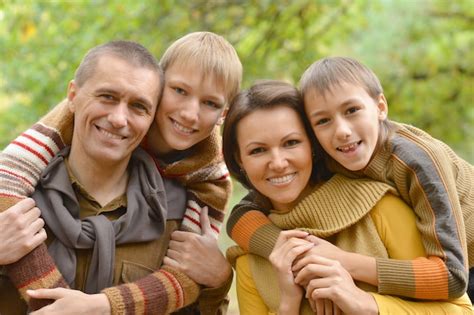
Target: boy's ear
pixel 221 119
pixel 71 94
pixel 382 107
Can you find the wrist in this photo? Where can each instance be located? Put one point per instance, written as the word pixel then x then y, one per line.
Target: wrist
pixel 102 304
pixel 223 276
pixel 362 268
pixel 367 304
pixel 289 306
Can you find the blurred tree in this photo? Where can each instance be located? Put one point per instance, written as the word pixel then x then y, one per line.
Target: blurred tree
pixel 421 50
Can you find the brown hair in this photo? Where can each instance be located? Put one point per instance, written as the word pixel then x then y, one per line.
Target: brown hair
pixel 328 72
pixel 265 94
pixel 212 53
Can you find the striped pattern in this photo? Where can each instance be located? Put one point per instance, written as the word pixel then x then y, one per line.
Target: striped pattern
pixel 203 174
pixel 161 292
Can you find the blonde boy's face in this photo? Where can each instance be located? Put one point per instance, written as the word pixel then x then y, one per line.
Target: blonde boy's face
pixel 192 105
pixel 346 122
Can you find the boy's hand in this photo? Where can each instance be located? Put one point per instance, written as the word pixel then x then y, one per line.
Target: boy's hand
pixel 70 302
pixel 198 256
pixel 21 230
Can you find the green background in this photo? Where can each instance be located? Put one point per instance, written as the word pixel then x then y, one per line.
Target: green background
pixel 422 50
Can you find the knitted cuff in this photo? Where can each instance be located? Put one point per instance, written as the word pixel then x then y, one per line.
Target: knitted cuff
pixel 34 271
pixel 161 292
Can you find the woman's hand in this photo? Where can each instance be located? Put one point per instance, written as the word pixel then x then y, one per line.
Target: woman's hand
pixel 327 279
pixel 21 230
pixel 289 246
pixel 70 302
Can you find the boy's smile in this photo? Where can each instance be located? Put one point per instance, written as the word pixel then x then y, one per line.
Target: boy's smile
pixel 193 104
pixel 346 121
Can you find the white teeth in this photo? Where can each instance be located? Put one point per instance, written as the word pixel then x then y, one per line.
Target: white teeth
pixel 282 180
pixel 110 135
pixel 182 128
pixel 348 148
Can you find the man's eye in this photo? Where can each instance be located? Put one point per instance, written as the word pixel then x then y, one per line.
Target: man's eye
pixel 107 97
pixel 140 107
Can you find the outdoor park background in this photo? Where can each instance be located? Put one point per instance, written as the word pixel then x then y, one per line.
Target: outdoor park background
pixel 422 51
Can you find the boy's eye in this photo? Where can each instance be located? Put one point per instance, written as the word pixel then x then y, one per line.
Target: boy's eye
pixel 179 90
pixel 213 104
pixel 352 110
pixel 256 151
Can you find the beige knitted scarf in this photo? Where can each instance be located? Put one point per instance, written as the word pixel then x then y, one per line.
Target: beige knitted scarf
pixel 337 210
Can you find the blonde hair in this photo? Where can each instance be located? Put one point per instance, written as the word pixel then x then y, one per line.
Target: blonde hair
pixel 212 53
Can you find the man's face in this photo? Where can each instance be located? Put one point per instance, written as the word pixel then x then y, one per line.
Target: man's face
pixel 192 105
pixel 113 110
pixel 346 122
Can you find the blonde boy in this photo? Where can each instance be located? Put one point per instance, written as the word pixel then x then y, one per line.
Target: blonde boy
pixel 202 73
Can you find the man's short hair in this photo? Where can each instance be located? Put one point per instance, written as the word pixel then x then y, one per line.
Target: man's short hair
pixel 129 51
pixel 212 53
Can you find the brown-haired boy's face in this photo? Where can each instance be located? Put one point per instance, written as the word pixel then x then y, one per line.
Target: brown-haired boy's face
pixel 192 105
pixel 346 121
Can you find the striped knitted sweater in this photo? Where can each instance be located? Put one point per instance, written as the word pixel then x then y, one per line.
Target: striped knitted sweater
pixel 203 173
pixel 436 183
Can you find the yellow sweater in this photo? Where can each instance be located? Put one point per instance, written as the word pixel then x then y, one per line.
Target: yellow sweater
pixel 402 240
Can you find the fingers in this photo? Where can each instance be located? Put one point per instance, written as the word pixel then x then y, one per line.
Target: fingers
pixel 24 205
pixel 167 261
pixel 31 216
pixel 205 223
pixel 286 235
pixel 38 238
pixel 52 294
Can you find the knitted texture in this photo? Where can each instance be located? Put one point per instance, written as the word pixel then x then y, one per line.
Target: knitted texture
pixel 203 174
pixel 338 208
pixel 437 184
pixel 161 292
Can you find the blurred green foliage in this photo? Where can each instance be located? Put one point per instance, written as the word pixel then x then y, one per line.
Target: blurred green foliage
pixel 422 50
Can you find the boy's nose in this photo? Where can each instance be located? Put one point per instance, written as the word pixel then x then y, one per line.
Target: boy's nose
pixel 343 129
pixel 190 111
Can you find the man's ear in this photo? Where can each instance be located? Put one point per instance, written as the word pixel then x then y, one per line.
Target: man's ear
pixel 221 119
pixel 71 94
pixel 382 107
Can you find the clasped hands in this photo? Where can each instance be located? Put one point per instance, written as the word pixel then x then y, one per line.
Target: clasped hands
pixel 305 261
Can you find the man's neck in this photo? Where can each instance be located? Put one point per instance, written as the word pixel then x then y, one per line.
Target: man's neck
pixel 103 182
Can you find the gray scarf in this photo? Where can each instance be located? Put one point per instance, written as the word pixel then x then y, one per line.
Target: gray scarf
pixel 143 221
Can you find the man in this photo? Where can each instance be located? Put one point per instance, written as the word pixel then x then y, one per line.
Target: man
pixel 102 199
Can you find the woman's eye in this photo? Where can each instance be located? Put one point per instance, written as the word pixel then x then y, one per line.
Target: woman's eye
pixel 291 143
pixel 256 151
pixel 322 121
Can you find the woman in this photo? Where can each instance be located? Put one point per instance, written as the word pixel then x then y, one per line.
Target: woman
pixel 267 148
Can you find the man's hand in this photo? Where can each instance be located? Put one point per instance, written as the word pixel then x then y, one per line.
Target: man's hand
pixel 198 256
pixel 21 230
pixel 70 302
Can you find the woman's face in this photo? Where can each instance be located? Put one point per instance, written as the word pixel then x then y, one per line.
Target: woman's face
pixel 275 152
